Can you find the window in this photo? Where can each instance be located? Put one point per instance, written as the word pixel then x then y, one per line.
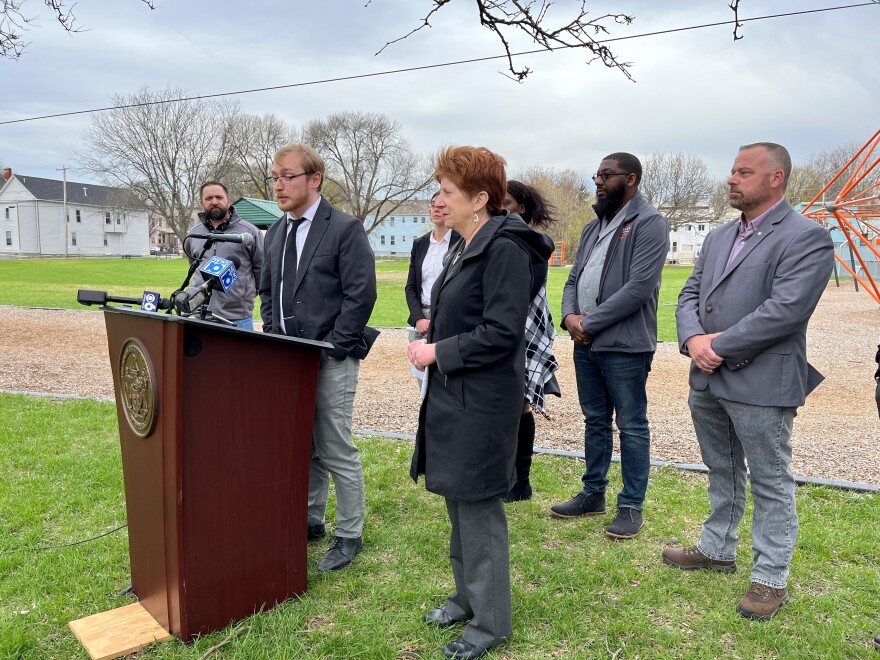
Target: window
pixel 106 217
pixel 73 238
pixel 403 239
pixel 8 235
pixel 392 240
pixel 7 213
pixel 701 227
pixel 382 240
pixel 675 246
pixel 689 227
pixel 105 240
pixel 78 216
pixel 120 218
pixel 391 224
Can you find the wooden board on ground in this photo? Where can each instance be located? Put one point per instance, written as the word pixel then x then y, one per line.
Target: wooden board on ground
pixel 118 632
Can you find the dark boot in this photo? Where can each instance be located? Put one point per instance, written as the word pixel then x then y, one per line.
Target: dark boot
pixel 525 447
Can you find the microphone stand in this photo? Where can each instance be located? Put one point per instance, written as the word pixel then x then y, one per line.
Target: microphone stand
pixel 193 265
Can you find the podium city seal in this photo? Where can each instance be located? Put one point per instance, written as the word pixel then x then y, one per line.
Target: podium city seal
pixel 137 386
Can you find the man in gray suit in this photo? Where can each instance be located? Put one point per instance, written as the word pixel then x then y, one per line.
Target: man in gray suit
pixel 742 318
pixel 319 282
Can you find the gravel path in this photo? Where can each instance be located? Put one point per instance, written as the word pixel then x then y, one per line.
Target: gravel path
pixel 836 434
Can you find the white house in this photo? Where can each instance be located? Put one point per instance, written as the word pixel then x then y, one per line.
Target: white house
pixel 98 222
pixel 686 242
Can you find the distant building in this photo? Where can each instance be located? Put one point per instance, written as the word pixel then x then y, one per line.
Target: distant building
pixel 686 243
pixel 394 236
pixel 100 219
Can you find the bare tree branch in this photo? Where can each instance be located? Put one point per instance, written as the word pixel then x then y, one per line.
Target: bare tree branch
pixel 734 6
pixel 162 152
pixel 679 186
pixel 370 166
pixel 13 23
pixel 530 17
pixel 253 141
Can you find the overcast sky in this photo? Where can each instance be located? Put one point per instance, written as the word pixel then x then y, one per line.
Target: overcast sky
pixel 809 82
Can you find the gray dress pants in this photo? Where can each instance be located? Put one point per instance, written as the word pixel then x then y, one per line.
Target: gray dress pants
pixel 334 453
pixel 479 553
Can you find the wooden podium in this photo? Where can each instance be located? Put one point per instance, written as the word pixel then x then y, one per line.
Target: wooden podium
pixel 215 425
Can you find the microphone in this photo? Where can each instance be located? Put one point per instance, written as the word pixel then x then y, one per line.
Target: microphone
pixel 89 297
pixel 245 239
pixel 219 274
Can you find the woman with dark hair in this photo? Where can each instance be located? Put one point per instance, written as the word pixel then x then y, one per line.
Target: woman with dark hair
pixel 525 200
pixel 475 359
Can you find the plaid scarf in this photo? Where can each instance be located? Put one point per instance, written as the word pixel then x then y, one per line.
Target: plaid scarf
pixel 540 363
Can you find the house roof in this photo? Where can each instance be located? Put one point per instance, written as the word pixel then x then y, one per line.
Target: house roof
pixel 82 194
pixel 258 212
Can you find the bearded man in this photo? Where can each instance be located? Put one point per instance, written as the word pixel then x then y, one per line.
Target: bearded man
pixel 609 307
pixel 742 319
pixel 218 216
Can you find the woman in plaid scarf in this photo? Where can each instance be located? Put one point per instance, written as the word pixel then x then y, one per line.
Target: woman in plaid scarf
pixel 538 213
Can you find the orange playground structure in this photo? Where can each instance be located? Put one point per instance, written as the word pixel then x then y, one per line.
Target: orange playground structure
pixel 856 211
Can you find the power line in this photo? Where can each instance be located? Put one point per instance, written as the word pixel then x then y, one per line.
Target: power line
pixel 434 66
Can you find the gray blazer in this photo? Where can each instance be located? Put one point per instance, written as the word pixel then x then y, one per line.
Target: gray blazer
pixel 761 305
pixel 625 318
pixel 335 287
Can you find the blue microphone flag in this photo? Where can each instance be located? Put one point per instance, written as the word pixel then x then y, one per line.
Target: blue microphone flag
pixel 221 270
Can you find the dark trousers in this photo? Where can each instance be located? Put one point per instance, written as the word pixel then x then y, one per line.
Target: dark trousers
pixel 479 554
pixel 614 383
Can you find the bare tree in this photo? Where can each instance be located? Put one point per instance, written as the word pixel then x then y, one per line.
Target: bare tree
pixel 253 141
pixel 160 150
pixel 370 166
pixel 719 201
pixel 679 186
pixel 804 183
pixel 829 163
pixel 568 192
pixel 13 23
pixel 506 18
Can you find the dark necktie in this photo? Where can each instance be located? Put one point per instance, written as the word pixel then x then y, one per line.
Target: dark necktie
pixel 288 275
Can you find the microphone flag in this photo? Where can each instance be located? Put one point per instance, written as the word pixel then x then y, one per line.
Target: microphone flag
pixel 221 270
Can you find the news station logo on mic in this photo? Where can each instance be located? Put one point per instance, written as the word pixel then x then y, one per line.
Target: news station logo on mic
pixel 150 301
pixel 222 271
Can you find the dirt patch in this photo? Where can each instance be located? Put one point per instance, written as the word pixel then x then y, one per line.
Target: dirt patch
pixel 837 432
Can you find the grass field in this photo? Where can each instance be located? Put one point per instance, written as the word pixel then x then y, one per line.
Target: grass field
pixel 575 593
pixel 54 282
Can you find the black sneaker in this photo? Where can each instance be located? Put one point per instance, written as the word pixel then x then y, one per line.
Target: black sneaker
pixel 580 505
pixel 626 523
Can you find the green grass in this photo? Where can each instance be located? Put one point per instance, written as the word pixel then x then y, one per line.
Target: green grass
pixel 54 282
pixel 575 593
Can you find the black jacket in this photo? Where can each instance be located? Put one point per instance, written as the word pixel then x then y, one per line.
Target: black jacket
pixel 413 287
pixel 335 282
pixel 466 441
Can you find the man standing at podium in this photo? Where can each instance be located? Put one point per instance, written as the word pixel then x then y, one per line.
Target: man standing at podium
pixel 319 282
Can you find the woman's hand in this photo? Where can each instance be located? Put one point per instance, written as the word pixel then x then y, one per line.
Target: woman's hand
pixel 421 354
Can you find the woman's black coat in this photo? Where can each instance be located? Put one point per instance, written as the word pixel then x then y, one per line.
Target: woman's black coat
pixel 466 442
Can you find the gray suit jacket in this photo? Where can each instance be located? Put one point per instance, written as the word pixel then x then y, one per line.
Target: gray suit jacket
pixel 335 286
pixel 761 305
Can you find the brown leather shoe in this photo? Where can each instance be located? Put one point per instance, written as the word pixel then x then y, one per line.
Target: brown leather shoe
pixel 761 602
pixel 689 559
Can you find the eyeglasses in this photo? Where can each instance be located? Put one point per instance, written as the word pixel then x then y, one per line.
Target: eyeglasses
pixel 285 179
pixel 607 175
